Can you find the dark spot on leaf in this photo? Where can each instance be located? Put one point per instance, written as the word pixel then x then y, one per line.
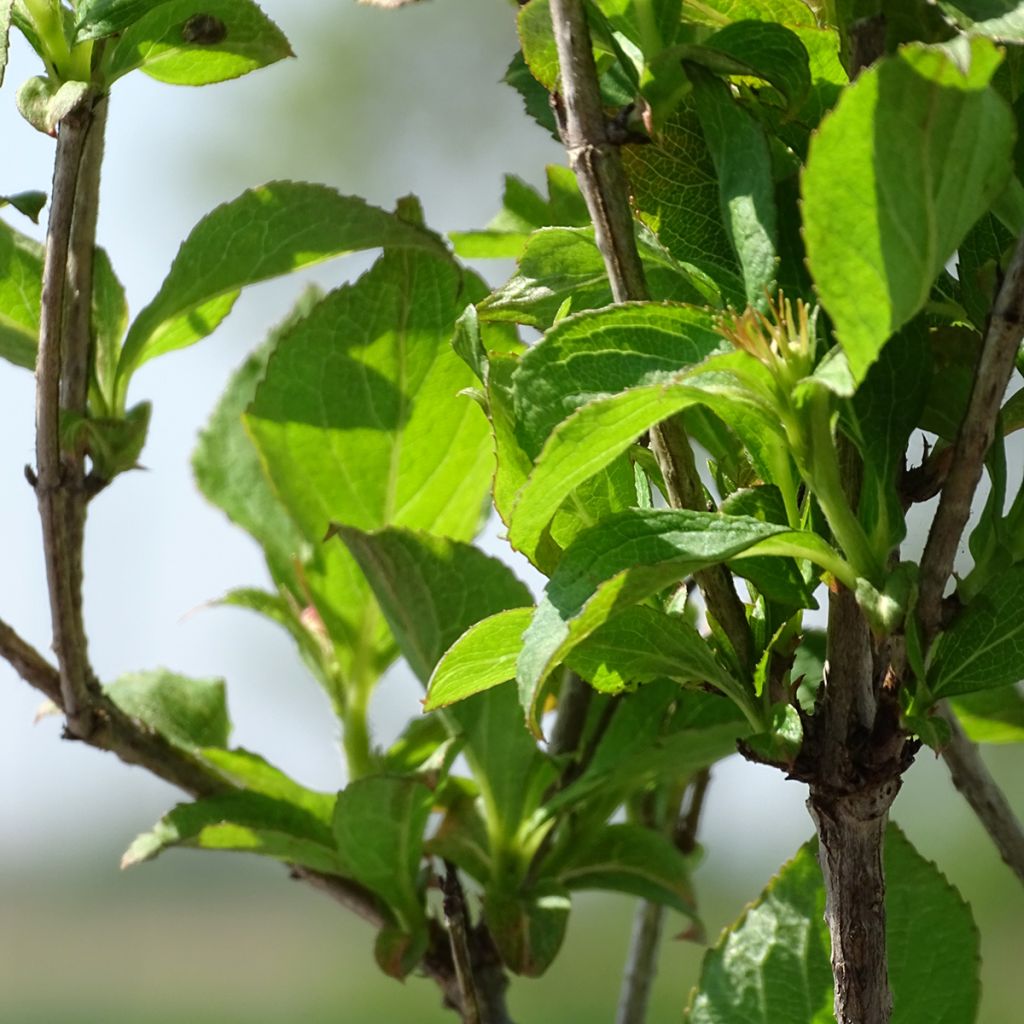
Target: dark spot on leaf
pixel 204 30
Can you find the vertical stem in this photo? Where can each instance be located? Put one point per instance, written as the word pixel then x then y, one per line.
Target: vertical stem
pixel 641 967
pixel 64 338
pixel 456 918
pixel 649 919
pixel 850 812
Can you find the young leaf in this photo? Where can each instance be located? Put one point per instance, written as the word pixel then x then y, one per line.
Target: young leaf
pixel 266 232
pixel 604 352
pixel 198 42
pixel 915 151
pixel 378 826
pixel 242 821
pixel 191 713
pixel 984 648
pixel 561 265
pixel 432 589
pixel 739 148
pixel 20 292
pixel 484 656
pixel 629 859
pixel 784 12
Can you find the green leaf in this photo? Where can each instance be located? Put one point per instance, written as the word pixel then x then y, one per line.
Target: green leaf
pixel 763 49
pixel 21 283
pixel 536 99
pixel 44 102
pixel 651 24
pixel 257 775
pixel 913 154
pixel 1002 20
pixel 191 713
pixel 564 264
pixel 604 352
pixel 359 421
pixel 378 826
pixel 244 821
pixel 99 18
pixel 600 431
pixel 484 656
pixel 992 716
pixel 629 859
pixel 528 928
pixel 880 418
pixel 265 232
pixel 984 648
pixel 198 42
pixel 109 322
pixel 626 558
pixel 924 912
pixel 227 465
pixel 462 837
pixel 675 189
pixel 28 203
pixel 642 644
pixel 718 12
pixel 5 28
pixel 385 440
pixel 665 758
pixel 780 743
pixel 432 589
pixel 772 966
pixel 739 148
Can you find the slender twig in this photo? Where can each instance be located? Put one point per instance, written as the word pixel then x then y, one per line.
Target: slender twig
pixel 975 782
pixel 641 963
pixel 456 916
pixel 29 663
pixel 55 481
pixel 995 365
pixel 649 919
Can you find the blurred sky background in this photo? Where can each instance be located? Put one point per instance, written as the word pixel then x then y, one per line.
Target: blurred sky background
pixel 378 104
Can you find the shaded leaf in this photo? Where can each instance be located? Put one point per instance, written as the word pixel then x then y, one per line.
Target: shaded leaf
pixel 28 203
pixel 528 928
pixel 378 826
pixel 739 148
pixel 1002 20
pixel 630 859
pixel 984 648
pixel 432 589
pixel 676 192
